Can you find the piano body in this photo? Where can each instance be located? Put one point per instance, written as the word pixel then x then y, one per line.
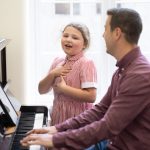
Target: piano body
pixel 30 117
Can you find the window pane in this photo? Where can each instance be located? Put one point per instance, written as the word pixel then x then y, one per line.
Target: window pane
pixel 62 8
pixel 51 17
pixel 76 8
pixel 118 5
pixel 98 8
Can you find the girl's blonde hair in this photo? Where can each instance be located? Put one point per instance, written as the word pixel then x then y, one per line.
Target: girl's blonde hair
pixel 84 31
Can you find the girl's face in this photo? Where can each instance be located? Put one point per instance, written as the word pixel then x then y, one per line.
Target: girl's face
pixel 72 41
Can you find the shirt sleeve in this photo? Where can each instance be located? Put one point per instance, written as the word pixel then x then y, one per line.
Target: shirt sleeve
pixel 88 74
pixel 130 101
pixel 79 127
pixel 79 139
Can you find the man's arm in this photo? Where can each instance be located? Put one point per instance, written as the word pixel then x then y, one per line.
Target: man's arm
pixel 87 117
pixel 123 110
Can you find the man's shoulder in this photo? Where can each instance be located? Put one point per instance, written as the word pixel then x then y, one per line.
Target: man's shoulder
pixel 141 65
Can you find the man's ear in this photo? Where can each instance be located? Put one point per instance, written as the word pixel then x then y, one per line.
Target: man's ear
pixel 118 32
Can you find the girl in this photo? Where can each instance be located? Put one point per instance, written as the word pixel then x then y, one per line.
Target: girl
pixel 73 78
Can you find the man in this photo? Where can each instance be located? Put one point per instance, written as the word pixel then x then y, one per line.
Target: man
pixel 123 115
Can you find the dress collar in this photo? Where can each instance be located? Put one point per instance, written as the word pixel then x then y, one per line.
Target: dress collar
pixel 74 58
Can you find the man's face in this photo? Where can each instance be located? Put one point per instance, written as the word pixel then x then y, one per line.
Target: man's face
pixel 108 36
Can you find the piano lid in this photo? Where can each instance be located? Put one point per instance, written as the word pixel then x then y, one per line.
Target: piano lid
pixel 7 111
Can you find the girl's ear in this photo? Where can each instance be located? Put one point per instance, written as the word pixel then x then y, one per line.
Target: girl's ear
pixel 84 47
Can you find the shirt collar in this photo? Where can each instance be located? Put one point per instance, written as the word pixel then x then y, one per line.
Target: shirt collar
pixel 128 58
pixel 74 58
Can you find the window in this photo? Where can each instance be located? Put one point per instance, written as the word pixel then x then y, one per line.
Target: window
pixel 47 33
pixel 76 8
pixel 62 8
pixel 48 19
pixel 98 8
pixel 143 7
pixel 67 8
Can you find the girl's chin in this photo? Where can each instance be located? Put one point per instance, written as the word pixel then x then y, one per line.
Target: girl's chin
pixel 70 55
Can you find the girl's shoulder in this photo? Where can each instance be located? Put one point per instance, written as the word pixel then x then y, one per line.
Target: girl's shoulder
pixel 58 59
pixel 86 59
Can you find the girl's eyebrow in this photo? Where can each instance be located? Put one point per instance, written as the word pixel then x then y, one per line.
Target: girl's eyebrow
pixel 70 34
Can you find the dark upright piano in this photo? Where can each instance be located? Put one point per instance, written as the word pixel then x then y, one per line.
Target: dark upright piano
pixel 29 117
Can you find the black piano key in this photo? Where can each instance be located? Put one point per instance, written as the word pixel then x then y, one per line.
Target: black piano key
pixel 16 147
pixel 16 143
pixel 26 123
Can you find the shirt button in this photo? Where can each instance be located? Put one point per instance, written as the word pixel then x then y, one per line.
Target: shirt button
pixel 122 69
pixel 111 142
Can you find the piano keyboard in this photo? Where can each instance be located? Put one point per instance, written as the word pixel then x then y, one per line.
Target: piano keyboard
pixel 27 122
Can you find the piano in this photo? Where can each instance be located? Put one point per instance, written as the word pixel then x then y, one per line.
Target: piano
pixel 30 117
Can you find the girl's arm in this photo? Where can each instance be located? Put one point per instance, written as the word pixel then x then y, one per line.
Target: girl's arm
pixel 46 84
pixel 86 95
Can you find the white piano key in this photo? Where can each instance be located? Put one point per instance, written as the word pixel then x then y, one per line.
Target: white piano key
pixel 38 123
pixel 35 147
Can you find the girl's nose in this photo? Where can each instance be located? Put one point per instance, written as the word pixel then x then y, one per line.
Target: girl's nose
pixel 68 38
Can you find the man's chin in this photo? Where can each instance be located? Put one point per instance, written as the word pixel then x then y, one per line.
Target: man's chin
pixel 107 51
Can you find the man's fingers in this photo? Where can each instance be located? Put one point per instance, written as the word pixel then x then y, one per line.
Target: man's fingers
pixel 31 132
pixel 29 138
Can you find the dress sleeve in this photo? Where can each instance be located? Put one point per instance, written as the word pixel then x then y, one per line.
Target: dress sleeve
pixel 57 61
pixel 88 75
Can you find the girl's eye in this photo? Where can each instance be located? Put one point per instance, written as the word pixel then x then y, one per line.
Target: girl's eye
pixel 65 35
pixel 74 37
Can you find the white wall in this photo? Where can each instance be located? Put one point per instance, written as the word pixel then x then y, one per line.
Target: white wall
pixel 12 23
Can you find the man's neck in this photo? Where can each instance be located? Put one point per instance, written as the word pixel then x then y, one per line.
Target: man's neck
pixel 123 50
